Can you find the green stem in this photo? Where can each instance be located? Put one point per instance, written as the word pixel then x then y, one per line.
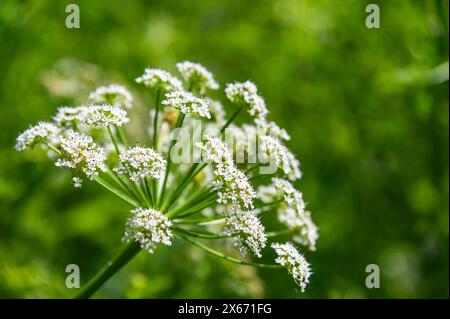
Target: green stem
pixel 155 120
pixel 109 270
pixel 203 235
pixel 198 221
pixel 194 201
pixel 147 190
pixel 225 257
pixel 141 189
pixel 252 168
pixel 113 139
pixel 235 114
pixel 122 136
pixel 54 149
pixel 278 233
pixel 191 174
pixel 269 204
pixel 113 175
pixel 169 158
pixel 117 192
pixel 194 210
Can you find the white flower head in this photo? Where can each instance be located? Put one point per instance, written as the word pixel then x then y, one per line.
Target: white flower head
pixel 104 115
pixel 247 94
pixel 280 156
pixel 42 132
pixel 294 262
pixel 197 74
pixel 232 184
pixel 187 103
pixel 247 230
pixel 159 79
pixel 67 116
pixel 149 228
pixel 292 197
pixel 79 152
pixel 272 129
pixel 141 162
pixel 113 94
pixel 308 233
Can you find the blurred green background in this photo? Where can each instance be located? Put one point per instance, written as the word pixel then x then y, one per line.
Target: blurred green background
pixel 367 110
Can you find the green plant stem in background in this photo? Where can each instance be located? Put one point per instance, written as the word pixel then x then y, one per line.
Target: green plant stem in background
pixel 109 270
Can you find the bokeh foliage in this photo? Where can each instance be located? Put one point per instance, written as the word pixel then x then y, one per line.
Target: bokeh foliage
pixel 367 110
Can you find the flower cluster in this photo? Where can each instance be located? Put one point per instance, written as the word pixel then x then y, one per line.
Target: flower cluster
pixel 40 133
pixel 308 232
pixel 148 227
pixel 246 94
pixel 292 197
pixel 113 94
pixel 232 184
pixel 213 199
pixel 79 152
pixel 294 262
pixel 247 230
pixel 141 162
pixel 67 116
pixel 159 79
pixel 197 74
pixel 272 129
pixel 187 103
pixel 291 211
pixel 280 156
pixel 104 115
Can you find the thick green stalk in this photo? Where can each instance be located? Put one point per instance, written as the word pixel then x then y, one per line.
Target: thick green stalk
pixel 109 270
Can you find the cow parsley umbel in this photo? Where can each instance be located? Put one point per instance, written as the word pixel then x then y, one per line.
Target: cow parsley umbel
pixel 197 76
pixel 140 162
pixel 207 198
pixel 41 133
pixel 294 262
pixel 149 228
pixel 113 94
